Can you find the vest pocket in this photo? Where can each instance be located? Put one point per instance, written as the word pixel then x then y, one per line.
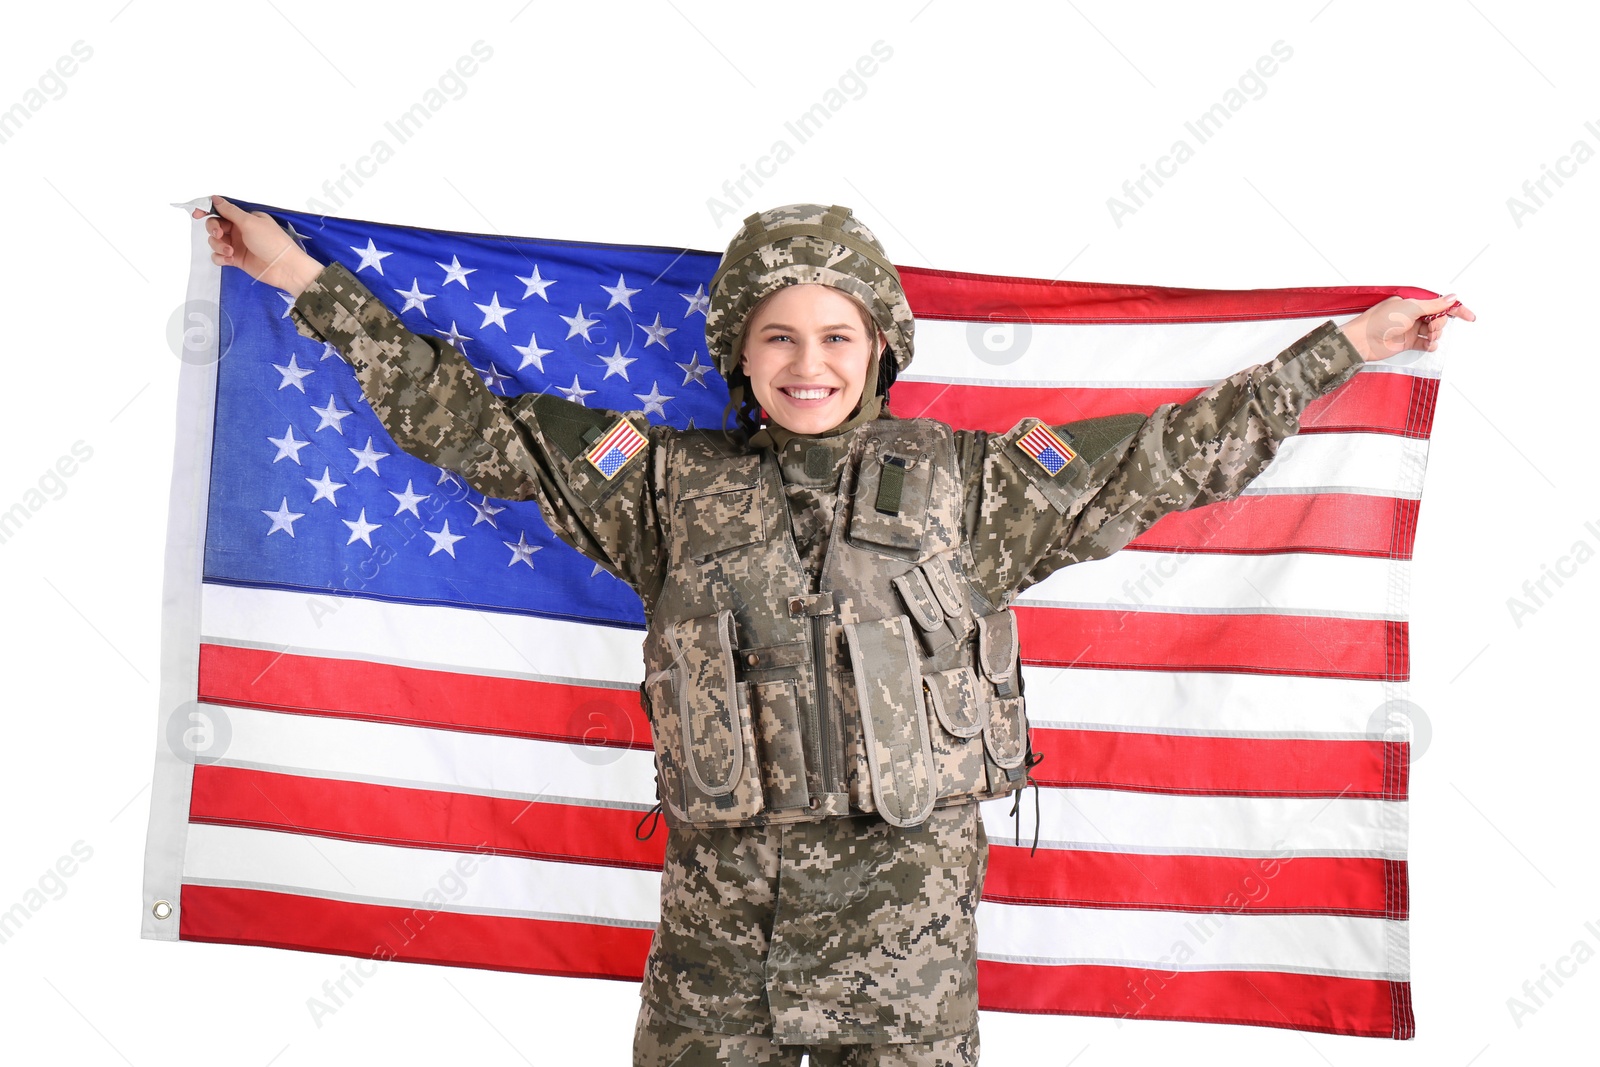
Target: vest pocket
pixel 777 721
pixel 953 696
pixel 948 592
pixel 718 521
pixel 1005 733
pixel 891 501
pixel 894 722
pixel 702 724
pixel 925 610
pixel 954 704
pixel 997 651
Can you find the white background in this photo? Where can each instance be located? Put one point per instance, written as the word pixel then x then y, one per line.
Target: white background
pixel 1382 152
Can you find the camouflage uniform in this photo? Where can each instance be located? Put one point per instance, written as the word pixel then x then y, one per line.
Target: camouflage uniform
pixel 800 910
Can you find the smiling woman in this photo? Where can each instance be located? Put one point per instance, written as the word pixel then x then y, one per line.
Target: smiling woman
pixel 807 351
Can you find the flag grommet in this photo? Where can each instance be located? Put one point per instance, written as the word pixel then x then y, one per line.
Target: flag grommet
pixel 161 909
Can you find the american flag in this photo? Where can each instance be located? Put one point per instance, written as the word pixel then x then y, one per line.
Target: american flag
pixel 401 720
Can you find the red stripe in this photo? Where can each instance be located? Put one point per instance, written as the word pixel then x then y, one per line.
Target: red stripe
pixel 382 692
pixel 1310 645
pixel 1222 766
pixel 1262 885
pixel 944 294
pixel 622 431
pixel 1346 524
pixel 359 811
pixel 1360 1007
pixel 424 818
pixel 1376 403
pixel 605 442
pixel 502 943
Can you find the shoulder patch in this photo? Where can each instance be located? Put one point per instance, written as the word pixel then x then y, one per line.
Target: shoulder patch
pixel 1046 449
pixel 615 448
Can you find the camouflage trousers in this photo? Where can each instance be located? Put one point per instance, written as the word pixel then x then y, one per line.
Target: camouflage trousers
pixel 832 933
pixel 659 1043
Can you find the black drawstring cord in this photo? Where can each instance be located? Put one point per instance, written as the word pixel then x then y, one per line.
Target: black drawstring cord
pixel 654 814
pixel 1033 759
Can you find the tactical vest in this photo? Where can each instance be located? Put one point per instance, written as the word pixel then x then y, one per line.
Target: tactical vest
pixel 891 687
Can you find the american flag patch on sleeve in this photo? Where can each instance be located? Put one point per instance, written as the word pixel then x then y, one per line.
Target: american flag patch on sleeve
pixel 620 444
pixel 1047 450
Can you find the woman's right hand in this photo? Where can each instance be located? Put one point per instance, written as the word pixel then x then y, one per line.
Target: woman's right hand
pixel 255 243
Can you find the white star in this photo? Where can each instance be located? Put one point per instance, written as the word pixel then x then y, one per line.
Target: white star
pixel 698 301
pixel 288 447
pixel 298 237
pixel 654 400
pixel 576 393
pixel 579 324
pixel 620 294
pixel 444 540
pixel 282 519
pixel 325 488
pixel 658 333
pixel 594 572
pixel 361 529
pixel 449 478
pixel 332 415
pixel 454 336
pixel 370 257
pixel 293 374
pixel 695 371
pixel 486 512
pixel 327 350
pixel 532 353
pixel 455 272
pixel 493 378
pixel 415 298
pixel 408 500
pixel 493 312
pixel 535 284
pixel 288 304
pixel 617 363
pixel 367 459
pixel 521 552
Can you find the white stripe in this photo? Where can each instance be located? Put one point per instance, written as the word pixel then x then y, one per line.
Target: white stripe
pixel 490 642
pixel 1347 946
pixel 1287 583
pixel 1263 705
pixel 1104 820
pixel 447 760
pixel 1377 464
pixel 466 882
pixel 423 758
pixel 1139 355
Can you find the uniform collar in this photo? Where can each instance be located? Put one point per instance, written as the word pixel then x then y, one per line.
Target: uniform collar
pixel 813 460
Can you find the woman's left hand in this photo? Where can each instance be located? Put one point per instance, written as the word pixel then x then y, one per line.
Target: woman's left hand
pixel 1398 325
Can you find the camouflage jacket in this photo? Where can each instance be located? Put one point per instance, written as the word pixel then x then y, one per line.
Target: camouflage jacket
pixel 993 514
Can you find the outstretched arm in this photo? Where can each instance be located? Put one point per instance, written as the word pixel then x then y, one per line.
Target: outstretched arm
pixel 436 407
pixel 1127 471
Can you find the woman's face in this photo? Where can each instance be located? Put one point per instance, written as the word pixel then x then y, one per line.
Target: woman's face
pixel 806 353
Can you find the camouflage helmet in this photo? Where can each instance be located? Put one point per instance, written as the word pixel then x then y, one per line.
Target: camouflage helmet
pixel 797 244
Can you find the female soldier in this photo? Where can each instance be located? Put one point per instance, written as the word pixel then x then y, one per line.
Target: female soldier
pixel 831 665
